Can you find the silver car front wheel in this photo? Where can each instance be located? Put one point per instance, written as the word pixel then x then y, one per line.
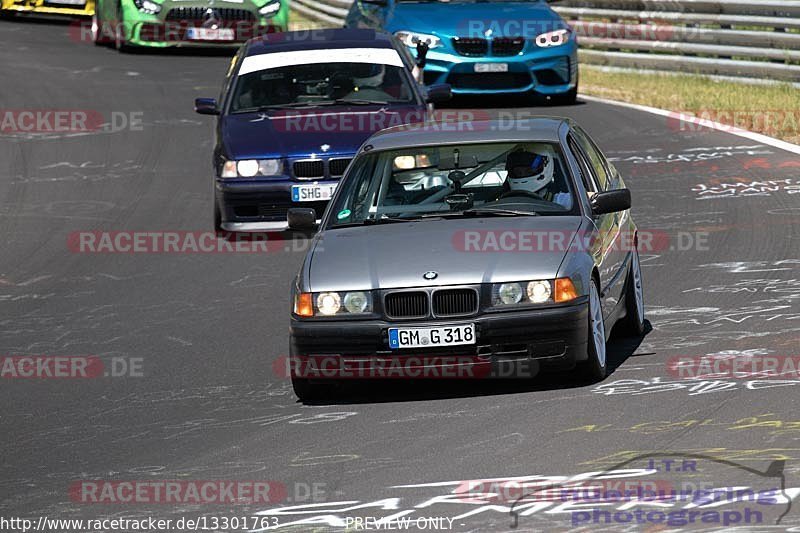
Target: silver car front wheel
pixel 596 345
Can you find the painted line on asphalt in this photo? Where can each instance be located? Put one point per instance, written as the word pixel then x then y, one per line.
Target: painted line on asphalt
pixel 724 128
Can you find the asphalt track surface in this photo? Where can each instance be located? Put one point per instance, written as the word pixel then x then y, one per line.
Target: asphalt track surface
pixel 207 327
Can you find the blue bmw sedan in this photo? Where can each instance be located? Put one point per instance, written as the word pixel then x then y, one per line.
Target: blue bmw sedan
pixel 295 108
pixel 480 47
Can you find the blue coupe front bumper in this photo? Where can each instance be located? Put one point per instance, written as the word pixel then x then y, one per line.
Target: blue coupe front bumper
pixel 260 204
pixel 546 71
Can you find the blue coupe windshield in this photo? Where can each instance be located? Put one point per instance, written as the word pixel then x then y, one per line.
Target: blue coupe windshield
pixel 321 84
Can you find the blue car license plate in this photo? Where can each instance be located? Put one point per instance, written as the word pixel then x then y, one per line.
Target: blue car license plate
pixel 313 192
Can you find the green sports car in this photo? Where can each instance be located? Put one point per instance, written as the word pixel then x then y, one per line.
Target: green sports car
pixel 167 23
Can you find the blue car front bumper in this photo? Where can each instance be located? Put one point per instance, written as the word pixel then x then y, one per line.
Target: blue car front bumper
pixel 260 204
pixel 546 71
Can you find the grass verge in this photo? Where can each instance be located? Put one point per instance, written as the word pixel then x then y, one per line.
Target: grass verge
pixel 773 110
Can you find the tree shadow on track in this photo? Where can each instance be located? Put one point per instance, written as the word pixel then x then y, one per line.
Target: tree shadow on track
pixel 619 349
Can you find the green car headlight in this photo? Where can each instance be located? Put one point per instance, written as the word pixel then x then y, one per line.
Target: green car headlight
pixel 270 9
pixel 146 6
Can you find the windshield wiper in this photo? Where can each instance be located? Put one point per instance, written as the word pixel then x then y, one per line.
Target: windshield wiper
pixel 345 101
pixel 272 107
pixel 374 221
pixel 387 220
pixel 491 211
pixel 480 212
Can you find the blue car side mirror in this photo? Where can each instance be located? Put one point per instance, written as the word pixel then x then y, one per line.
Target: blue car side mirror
pixel 206 106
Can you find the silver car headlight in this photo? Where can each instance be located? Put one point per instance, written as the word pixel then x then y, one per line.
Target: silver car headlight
pixel 250 168
pixel 533 292
pixel 553 38
pixel 412 39
pixel 332 303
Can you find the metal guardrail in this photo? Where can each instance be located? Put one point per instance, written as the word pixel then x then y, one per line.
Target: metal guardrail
pixel 735 38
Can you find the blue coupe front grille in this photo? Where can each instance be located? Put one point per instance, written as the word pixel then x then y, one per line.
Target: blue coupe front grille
pixel 471 46
pixel 493 81
pixel 507 46
pixel 479 47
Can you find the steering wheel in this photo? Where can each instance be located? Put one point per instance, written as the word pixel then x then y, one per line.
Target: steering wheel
pixel 528 194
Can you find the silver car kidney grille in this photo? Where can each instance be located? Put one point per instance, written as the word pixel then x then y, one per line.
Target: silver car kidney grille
pixel 407 304
pixel 444 302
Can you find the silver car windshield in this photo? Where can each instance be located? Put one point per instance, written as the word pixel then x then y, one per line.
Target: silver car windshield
pixel 490 179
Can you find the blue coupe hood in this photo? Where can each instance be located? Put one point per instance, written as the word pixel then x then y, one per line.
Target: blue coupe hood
pixel 470 19
pixel 302 133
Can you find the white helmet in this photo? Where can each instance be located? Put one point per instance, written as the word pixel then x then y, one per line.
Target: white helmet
pixel 529 171
pixel 374 75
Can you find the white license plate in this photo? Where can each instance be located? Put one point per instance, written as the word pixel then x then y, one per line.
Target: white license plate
pixel 312 193
pixel 491 67
pixel 68 2
pixel 210 34
pixel 431 337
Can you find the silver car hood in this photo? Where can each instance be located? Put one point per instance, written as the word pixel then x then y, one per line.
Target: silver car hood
pixel 397 255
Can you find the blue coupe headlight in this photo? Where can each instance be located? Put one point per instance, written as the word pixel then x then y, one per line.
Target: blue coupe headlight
pixel 412 39
pixel 553 38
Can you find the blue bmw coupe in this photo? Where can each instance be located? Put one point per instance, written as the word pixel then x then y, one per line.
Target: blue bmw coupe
pixel 482 47
pixel 295 108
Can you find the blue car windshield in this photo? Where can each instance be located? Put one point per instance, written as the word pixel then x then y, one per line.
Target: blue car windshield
pixel 489 179
pixel 321 84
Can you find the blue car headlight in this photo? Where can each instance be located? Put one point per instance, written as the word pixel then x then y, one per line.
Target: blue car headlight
pixel 412 39
pixel 250 168
pixel 553 38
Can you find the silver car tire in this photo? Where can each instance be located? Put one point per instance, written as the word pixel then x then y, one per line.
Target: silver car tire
pixel 596 365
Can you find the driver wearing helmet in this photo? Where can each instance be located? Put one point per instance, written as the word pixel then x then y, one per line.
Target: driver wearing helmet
pixel 372 77
pixel 370 84
pixel 532 174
